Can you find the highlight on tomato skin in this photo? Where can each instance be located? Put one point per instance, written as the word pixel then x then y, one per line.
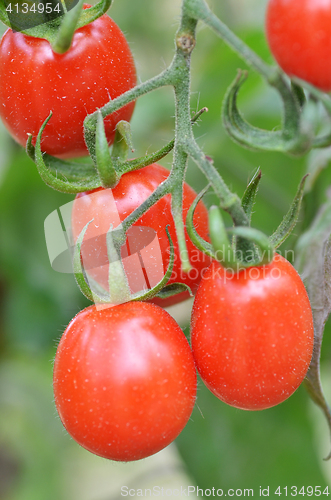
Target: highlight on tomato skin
pixel 299 36
pixel 34 81
pixel 112 206
pixel 124 380
pixel 252 334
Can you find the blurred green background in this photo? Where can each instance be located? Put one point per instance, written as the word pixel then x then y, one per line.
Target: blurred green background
pixel 221 447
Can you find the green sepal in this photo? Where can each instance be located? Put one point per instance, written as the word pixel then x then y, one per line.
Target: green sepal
pixel 64 176
pixel 323 141
pixel 298 91
pixel 197 240
pixel 162 283
pixel 123 142
pixel 137 163
pixel 248 199
pixel 79 272
pixel 222 248
pixel 104 164
pixel 118 285
pixel 318 94
pixel 266 249
pixel 173 289
pixel 291 139
pixel 49 30
pixel 239 129
pixel 224 252
pixel 288 223
pixel 119 290
pixel 76 177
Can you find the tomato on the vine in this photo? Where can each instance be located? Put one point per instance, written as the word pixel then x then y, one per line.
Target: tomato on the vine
pixel 111 206
pixel 252 333
pixel 124 380
pixel 299 37
pixel 34 81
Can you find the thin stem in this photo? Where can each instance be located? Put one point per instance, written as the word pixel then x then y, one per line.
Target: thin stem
pixel 198 9
pixel 163 189
pixel 67 29
pixel 177 207
pixel 161 80
pixel 229 201
pixel 90 122
pixel 185 39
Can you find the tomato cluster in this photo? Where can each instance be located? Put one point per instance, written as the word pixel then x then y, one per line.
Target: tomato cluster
pixel 122 372
pixel 125 375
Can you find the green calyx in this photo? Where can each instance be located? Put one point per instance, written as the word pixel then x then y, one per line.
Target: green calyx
pixel 56 24
pixel 106 169
pixel 118 286
pixel 103 168
pixel 241 247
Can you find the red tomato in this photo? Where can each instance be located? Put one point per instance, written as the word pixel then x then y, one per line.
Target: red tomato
pixel 252 334
pixel 299 36
pixel 34 81
pixel 124 380
pixel 111 206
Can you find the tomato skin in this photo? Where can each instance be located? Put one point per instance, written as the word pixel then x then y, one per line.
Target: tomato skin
pixel 34 80
pixel 124 380
pixel 133 188
pixel 299 37
pixel 252 334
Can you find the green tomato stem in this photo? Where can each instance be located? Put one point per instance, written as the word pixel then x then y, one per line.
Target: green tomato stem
pixel 67 29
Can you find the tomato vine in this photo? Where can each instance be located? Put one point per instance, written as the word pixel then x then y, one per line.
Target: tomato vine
pixel 239 247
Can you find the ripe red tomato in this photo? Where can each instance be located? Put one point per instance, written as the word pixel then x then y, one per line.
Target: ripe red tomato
pixel 299 37
pixel 252 334
pixel 124 380
pixel 111 206
pixel 34 81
